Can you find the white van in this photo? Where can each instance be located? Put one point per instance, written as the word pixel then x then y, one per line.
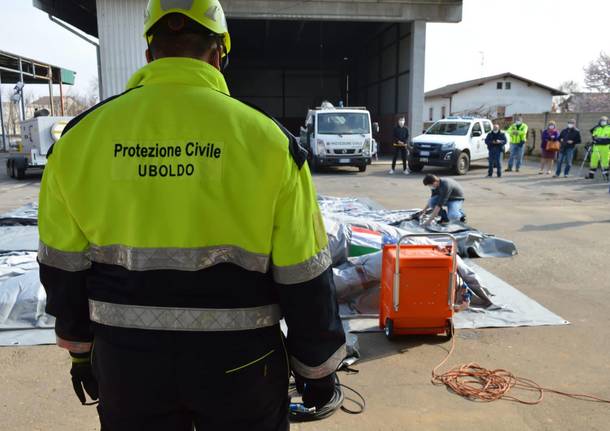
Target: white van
pixel 453 142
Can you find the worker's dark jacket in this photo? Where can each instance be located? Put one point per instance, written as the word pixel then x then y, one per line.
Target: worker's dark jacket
pixel 448 190
pixel 174 207
pixel 569 134
pixel 401 134
pixel 495 136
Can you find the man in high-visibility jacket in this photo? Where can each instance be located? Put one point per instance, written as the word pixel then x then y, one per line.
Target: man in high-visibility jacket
pixel 600 153
pixel 177 227
pixel 518 139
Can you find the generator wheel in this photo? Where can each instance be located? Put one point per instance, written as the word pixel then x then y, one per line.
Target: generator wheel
pixel 389 328
pixel 449 329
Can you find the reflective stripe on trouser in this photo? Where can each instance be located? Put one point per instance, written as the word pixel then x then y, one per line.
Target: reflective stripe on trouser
pixel 184 319
pixel 600 155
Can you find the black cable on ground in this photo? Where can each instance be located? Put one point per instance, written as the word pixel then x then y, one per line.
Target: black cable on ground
pixel 299 413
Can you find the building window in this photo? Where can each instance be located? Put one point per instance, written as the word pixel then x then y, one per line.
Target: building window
pixel 499 86
pixel 431 114
pixel 443 112
pixel 507 85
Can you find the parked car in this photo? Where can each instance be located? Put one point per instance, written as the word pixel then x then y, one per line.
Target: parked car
pixel 453 142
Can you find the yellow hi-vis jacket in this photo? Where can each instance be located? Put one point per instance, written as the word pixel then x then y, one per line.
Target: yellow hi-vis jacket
pixel 517 134
pixel 601 134
pixel 176 177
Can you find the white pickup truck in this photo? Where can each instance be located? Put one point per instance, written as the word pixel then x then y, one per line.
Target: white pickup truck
pixel 338 137
pixel 453 142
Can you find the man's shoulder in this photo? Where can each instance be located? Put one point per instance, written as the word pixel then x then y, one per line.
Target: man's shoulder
pixel 298 153
pixel 74 122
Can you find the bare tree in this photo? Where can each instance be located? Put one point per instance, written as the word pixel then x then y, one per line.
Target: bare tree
pixel 93 93
pixel 597 73
pixel 562 103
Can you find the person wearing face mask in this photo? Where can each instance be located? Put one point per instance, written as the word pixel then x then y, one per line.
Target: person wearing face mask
pixel 495 141
pixel 548 148
pixel 569 138
pixel 446 193
pixel 518 137
pixel 401 138
pixel 600 153
pixel 185 315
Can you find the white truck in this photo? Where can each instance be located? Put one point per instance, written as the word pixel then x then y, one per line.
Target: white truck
pixel 38 134
pixel 338 136
pixel 453 142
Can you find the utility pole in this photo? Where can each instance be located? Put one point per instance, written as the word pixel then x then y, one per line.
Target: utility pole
pixel 482 63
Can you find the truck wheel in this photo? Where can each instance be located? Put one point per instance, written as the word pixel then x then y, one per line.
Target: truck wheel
pixel 416 167
pixel 389 328
pixel 362 168
pixel 463 164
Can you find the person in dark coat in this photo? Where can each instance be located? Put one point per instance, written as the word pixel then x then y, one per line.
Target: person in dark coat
pixel 401 138
pixel 495 141
pixel 569 138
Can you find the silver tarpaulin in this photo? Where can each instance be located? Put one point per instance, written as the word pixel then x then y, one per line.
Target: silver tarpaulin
pixel 353 225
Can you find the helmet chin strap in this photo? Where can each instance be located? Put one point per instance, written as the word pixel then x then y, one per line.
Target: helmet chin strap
pixel 224 63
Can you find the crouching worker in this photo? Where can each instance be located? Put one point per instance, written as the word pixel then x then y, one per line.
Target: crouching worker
pixel 447 200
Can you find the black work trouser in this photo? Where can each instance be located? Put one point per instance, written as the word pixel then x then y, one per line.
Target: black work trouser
pixel 403 155
pixel 170 381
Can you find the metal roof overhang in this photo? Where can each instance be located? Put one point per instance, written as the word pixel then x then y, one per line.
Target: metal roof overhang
pixel 81 14
pixel 34 71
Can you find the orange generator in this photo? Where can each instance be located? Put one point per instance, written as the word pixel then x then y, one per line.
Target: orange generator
pixel 418 287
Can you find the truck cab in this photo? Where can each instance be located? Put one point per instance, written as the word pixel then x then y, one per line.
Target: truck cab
pixel 453 142
pixel 338 137
pixel 38 134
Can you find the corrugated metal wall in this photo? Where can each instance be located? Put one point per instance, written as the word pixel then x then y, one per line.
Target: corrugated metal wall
pixel 384 77
pixel 121 24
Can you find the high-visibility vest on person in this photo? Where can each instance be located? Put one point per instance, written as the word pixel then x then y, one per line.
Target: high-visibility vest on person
pixel 601 134
pixel 517 133
pixel 176 207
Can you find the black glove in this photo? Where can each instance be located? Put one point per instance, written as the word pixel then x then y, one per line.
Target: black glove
pixel 316 393
pixel 82 377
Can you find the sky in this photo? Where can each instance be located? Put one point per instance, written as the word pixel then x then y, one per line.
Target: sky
pixel 549 41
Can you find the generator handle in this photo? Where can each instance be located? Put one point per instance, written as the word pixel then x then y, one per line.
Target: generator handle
pixel 396 284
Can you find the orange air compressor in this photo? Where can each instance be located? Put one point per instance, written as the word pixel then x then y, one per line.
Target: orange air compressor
pixel 418 287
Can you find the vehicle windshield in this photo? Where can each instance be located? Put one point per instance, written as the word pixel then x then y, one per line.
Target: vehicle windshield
pixel 455 128
pixel 344 123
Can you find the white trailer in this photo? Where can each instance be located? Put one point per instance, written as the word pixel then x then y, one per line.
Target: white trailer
pixel 37 136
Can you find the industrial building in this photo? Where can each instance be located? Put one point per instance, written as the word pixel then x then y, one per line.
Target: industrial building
pixel 289 56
